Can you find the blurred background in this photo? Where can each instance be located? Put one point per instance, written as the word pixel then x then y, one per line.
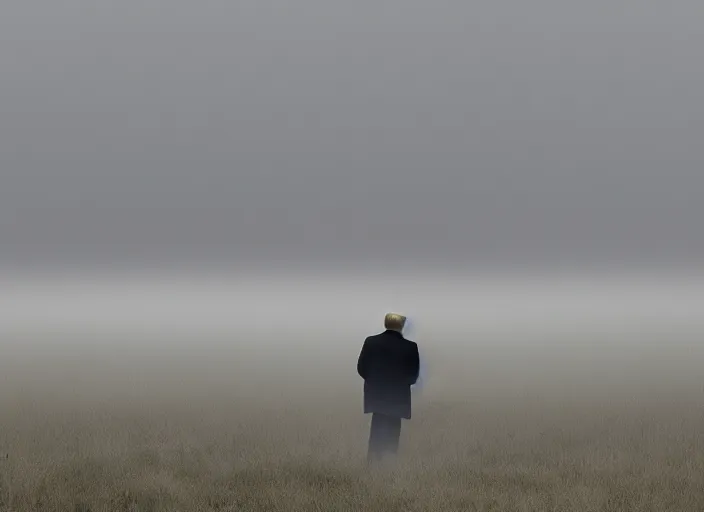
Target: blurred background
pixel 188 176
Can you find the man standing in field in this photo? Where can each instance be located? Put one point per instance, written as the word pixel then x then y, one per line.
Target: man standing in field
pixel 389 365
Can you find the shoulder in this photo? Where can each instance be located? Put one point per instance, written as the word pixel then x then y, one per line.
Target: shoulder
pixel 411 342
pixel 412 345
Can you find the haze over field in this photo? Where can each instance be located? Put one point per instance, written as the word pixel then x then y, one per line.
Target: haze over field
pixel 205 207
pixel 540 335
pixel 220 393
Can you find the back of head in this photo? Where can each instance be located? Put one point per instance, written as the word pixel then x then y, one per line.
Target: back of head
pixel 394 322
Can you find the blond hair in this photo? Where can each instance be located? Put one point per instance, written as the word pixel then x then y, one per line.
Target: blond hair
pixel 394 321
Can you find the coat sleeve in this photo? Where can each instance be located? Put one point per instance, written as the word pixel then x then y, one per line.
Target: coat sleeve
pixel 414 366
pixel 362 361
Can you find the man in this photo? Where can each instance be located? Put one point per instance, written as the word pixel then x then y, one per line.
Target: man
pixel 389 365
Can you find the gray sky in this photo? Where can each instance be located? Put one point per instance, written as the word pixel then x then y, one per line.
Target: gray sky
pixel 351 133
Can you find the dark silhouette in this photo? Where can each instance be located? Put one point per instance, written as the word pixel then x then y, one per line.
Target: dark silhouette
pixel 389 365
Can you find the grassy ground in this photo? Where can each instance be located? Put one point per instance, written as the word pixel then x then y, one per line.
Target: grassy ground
pixel 456 456
pixel 237 444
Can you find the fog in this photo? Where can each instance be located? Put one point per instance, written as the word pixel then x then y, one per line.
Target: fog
pixel 317 303
pixel 266 337
pixel 206 207
pixel 227 197
pixel 262 134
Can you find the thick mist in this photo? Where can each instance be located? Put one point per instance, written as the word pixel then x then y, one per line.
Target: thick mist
pixel 263 338
pixel 205 208
pixel 365 135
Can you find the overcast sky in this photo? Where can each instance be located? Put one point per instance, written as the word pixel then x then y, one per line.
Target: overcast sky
pixel 310 133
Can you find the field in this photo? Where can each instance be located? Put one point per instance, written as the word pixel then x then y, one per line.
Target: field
pixel 547 425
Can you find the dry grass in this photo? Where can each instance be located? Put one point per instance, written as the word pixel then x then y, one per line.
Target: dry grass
pixel 257 446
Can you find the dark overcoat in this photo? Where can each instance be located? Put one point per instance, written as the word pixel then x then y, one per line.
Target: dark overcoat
pixel 389 365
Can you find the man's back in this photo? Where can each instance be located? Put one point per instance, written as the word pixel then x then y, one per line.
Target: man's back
pixel 389 365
